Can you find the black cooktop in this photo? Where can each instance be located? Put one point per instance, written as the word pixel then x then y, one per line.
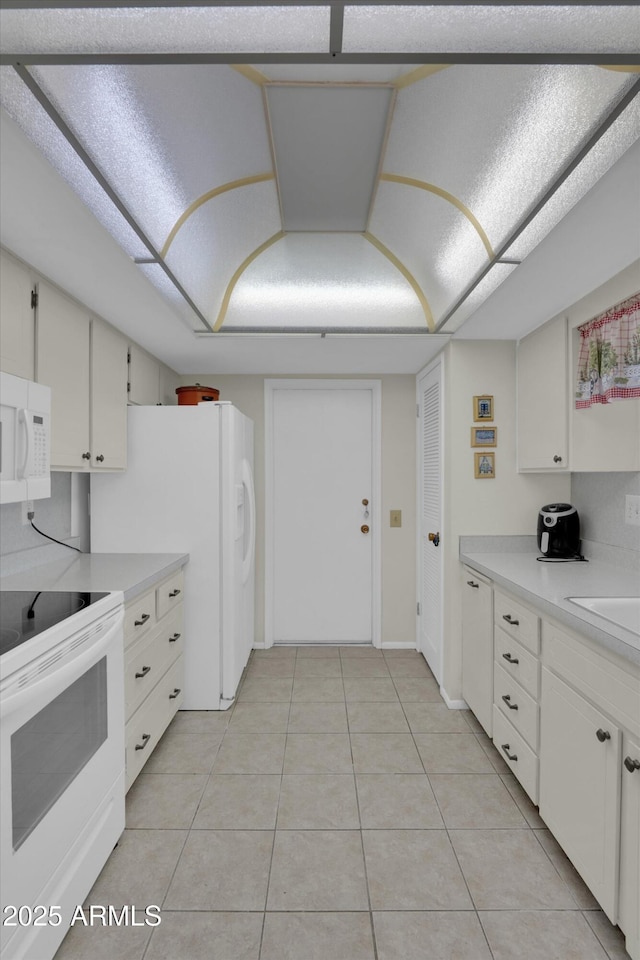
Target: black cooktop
pixel 26 613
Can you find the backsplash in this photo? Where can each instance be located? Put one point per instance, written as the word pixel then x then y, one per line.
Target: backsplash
pixel 600 500
pixel 22 548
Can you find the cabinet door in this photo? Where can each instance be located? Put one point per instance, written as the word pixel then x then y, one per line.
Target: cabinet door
pixel 62 363
pixel 543 403
pixel 477 646
pixel 108 397
pixel 629 909
pixel 16 319
pixel 144 377
pixel 580 786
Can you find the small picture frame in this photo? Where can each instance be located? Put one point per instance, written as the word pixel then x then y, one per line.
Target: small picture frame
pixel 485 465
pixel 483 408
pixel 484 436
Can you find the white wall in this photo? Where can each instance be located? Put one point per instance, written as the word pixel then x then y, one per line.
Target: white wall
pixel 398 492
pixel 507 504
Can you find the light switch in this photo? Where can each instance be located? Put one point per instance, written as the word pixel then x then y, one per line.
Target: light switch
pixel 395 518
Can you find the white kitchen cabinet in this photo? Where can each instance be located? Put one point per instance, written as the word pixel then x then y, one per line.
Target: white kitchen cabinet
pixel 629 904
pixel 543 399
pixel 516 714
pixel 108 397
pixel 580 785
pixel 477 645
pixel 84 361
pixel 17 319
pixel 144 378
pixel 154 673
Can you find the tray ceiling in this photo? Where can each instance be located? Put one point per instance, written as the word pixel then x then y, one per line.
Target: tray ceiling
pixel 376 168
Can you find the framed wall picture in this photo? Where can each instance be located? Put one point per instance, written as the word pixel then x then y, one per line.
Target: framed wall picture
pixel 485 466
pixel 483 408
pixel 484 436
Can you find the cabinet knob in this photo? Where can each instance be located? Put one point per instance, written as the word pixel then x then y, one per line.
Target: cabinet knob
pixel 603 735
pixel 470 583
pixel 86 456
pixel 100 458
pixel 557 459
pixel 631 765
pixel 507 699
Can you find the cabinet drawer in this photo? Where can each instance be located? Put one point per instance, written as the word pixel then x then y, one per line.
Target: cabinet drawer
pixel 169 594
pixel 517 662
pixel 147 724
pixel 519 708
pixel 615 690
pixel 515 752
pixel 517 621
pixel 147 660
pixel 139 616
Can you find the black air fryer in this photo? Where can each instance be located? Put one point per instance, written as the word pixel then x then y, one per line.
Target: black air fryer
pixel 559 532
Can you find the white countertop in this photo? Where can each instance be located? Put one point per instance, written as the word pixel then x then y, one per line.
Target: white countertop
pixel 547 585
pixel 133 573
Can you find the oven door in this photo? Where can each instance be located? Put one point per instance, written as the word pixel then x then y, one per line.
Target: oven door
pixel 61 776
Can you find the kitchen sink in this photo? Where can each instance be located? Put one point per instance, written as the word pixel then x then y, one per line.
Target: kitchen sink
pixel 623 611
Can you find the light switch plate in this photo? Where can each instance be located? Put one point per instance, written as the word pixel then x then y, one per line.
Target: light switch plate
pixel 395 518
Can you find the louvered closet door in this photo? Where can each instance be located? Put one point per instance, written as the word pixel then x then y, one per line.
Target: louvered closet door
pixel 430 513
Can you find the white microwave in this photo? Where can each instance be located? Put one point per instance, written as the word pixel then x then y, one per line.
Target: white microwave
pixel 25 439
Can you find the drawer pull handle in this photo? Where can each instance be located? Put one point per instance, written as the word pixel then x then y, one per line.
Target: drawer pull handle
pixel 472 584
pixel 145 740
pixel 505 748
pixel 175 637
pixel 631 765
pixel 507 617
pixel 509 658
pixel 603 735
pixel 176 692
pixel 143 672
pixel 174 593
pixel 507 699
pixel 143 619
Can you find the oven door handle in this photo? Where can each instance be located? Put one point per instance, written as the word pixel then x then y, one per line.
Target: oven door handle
pixel 11 701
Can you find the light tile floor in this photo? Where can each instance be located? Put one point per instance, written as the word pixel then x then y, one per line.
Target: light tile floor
pixel 339 811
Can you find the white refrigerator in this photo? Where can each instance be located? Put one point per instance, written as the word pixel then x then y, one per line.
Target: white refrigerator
pixel 188 488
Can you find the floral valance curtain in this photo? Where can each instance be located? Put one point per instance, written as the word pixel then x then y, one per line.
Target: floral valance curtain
pixel 609 361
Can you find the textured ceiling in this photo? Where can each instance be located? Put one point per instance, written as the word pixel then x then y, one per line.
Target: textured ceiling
pixel 294 190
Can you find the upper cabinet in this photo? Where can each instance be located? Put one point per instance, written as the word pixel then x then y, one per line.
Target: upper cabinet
pixel 17 343
pixel 144 378
pixel 543 401
pixel 84 361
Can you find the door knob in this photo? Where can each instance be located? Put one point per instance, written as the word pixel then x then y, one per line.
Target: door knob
pixel 365 528
pixel 434 538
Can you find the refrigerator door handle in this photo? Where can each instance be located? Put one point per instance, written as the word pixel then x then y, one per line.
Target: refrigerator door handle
pixel 247 560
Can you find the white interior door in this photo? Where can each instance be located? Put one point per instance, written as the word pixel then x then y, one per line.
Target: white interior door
pixel 322 540
pixel 430 513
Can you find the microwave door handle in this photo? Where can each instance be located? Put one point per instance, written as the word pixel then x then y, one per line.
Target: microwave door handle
pixel 27 467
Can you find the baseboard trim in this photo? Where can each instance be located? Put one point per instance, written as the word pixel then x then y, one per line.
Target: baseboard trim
pixel 386 645
pixel 453 704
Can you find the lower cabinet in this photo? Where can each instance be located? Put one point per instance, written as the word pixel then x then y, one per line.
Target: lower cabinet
pixel 580 786
pixel 629 901
pixel 477 645
pixel 154 670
